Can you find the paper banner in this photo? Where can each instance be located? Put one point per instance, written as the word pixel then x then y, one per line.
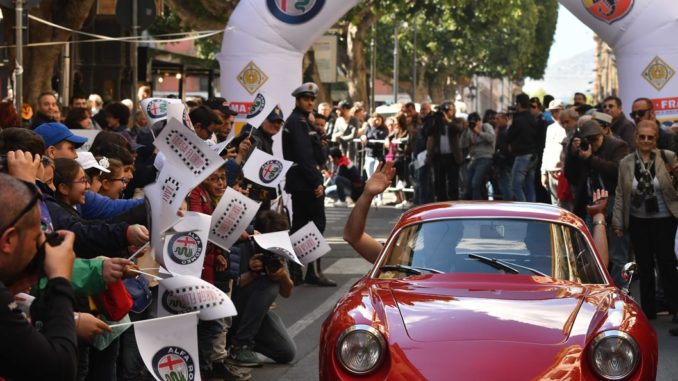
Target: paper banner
pixel 169 347
pixel 264 169
pixel 184 251
pixel 179 111
pixel 263 48
pixel 279 243
pixel 309 244
pixel 642 35
pixel 231 217
pixel 187 152
pixel 185 293
pixel 156 109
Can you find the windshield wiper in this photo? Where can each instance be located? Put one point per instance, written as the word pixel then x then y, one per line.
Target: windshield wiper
pixel 501 265
pixel 409 269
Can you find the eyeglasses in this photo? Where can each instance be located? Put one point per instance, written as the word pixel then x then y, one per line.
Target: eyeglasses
pixel 35 196
pixel 638 114
pixel 609 106
pixel 83 180
pixel 647 138
pixel 123 180
pixel 217 178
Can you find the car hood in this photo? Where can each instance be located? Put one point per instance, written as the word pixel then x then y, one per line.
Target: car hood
pixel 509 308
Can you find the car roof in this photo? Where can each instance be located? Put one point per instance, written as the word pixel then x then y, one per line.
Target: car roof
pixel 490 209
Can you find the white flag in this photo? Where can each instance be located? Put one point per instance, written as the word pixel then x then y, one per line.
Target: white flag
pixel 184 293
pixel 184 251
pixel 309 244
pixel 264 169
pixel 169 347
pixel 179 111
pixel 279 243
pixel 231 217
pixel 156 109
pixel 187 152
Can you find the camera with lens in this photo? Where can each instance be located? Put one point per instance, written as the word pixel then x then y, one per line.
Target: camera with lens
pixel 272 262
pixel 584 141
pixel 651 203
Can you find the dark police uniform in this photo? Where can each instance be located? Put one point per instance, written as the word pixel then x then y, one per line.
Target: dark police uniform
pixel 304 177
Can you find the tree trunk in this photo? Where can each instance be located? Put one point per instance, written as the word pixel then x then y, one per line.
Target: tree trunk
pixel 310 71
pixel 356 35
pixel 39 61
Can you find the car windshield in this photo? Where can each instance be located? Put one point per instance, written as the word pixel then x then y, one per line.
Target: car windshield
pixel 512 246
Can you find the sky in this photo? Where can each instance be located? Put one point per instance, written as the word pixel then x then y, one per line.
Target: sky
pixel 572 37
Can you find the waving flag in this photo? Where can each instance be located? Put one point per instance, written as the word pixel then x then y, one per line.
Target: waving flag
pixel 309 244
pixel 184 250
pixel 231 217
pixel 279 243
pixel 264 169
pixel 184 293
pixel 169 347
pixel 642 35
pixel 156 109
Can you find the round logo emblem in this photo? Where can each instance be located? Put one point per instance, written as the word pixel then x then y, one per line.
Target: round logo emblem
pixel 156 108
pixel 172 303
pixel 173 363
pixel 185 248
pixel 270 171
pixel 295 11
pixel 257 106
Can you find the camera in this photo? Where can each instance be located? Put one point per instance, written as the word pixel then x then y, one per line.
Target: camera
pixel 584 141
pixel 272 262
pixel 36 265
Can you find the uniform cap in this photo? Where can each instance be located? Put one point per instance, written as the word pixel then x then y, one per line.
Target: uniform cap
pixel 308 89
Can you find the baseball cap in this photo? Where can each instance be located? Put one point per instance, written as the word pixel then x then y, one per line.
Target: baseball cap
pixel 220 104
pixel 345 104
pixel 87 161
pixel 556 104
pixel 53 133
pixel 591 128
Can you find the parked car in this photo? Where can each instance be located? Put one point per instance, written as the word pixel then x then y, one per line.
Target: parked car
pixel 487 291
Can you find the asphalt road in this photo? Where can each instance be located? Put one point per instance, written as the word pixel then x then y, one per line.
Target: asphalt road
pixel 308 307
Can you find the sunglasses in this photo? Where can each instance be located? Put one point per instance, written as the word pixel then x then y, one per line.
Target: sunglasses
pixel 647 138
pixel 638 114
pixel 35 197
pixel 609 106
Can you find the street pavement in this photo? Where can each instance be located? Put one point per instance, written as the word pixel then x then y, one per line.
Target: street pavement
pixel 307 308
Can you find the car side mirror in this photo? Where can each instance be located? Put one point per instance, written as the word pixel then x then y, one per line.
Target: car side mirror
pixel 627 274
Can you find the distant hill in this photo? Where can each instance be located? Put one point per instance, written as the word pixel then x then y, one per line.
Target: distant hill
pixel 562 79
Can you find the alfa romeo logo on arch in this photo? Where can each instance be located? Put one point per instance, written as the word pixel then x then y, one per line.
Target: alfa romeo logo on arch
pixel 295 11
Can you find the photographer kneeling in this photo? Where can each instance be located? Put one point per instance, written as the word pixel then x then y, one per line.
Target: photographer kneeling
pixel 263 277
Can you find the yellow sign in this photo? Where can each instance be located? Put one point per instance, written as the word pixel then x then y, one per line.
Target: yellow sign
pixel 658 73
pixel 252 78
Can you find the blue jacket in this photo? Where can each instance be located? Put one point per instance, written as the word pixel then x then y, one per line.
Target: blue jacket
pixel 98 207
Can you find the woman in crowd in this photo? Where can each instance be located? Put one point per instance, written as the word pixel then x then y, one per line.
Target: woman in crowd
pixel 397 143
pixel 646 207
pixel 374 151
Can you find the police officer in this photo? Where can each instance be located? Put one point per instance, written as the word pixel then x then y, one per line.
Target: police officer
pixel 304 181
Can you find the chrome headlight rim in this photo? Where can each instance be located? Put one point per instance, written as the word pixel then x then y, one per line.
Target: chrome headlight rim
pixel 371 330
pixel 614 334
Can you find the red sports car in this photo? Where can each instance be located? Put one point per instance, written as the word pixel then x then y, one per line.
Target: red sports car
pixel 487 291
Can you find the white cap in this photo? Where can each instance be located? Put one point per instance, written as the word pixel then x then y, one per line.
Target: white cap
pixel 556 104
pixel 87 161
pixel 602 117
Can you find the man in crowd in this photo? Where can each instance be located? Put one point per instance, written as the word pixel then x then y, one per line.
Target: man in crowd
pixel 443 151
pixel 550 163
pixel 304 181
pixel 29 353
pixel 47 110
pixel 579 99
pixel 225 115
pixel 621 127
pixel 345 178
pixel 60 142
pixel 522 141
pixel 345 126
pixel 643 109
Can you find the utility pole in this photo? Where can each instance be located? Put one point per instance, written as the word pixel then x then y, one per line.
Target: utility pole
pixel 414 65
pixel 373 71
pixel 395 63
pixel 135 52
pixel 19 69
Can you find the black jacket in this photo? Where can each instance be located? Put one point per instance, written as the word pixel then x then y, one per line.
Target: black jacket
pixel 40 118
pixel 92 238
pixel 297 147
pixel 375 150
pixel 522 135
pixel 48 354
pixel 602 166
pixel 439 126
pixel 625 130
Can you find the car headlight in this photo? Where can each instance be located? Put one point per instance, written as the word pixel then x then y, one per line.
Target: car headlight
pixel 614 355
pixel 361 349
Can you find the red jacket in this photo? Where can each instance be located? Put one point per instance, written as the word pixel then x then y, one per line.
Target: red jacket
pixel 199 201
